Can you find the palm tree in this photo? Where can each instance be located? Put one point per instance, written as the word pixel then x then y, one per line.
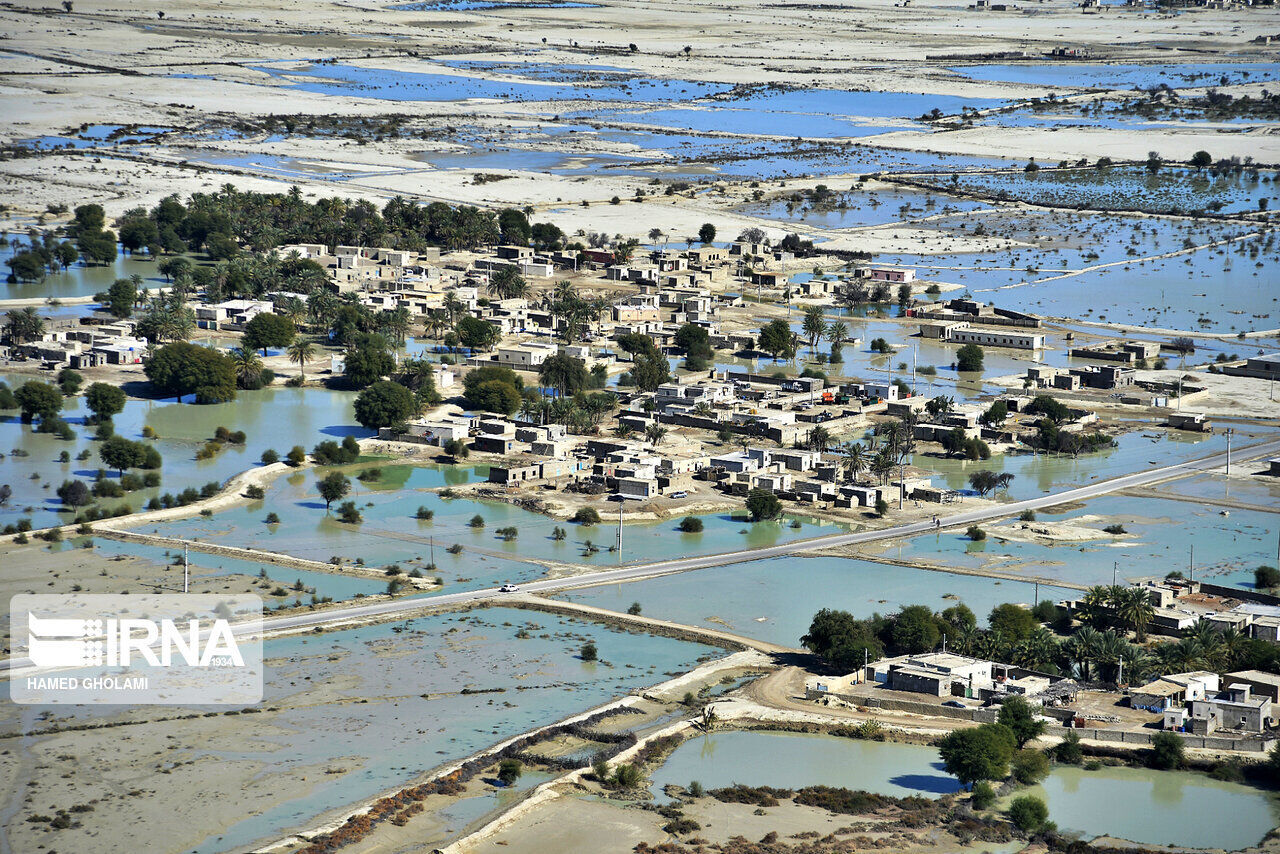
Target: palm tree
pixel 819 438
pixel 507 283
pixel 453 307
pixel 837 334
pixel 654 433
pixel 396 324
pixel 300 352
pixel 1038 651
pixel 1083 649
pixel 855 459
pixel 703 409
pixel 1133 608
pixel 814 327
pixel 247 365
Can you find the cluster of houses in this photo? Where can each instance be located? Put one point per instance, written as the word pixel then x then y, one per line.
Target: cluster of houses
pixel 73 343
pixel 964 321
pixel 1182 604
pixel 1199 703
pixel 947 674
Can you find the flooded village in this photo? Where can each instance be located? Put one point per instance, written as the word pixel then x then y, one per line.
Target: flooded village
pixel 779 428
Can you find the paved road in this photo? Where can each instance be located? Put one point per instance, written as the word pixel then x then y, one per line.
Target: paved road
pixel 652 570
pixel 409 607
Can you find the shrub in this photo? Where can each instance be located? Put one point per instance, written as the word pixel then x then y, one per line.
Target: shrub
pixel 269 457
pixel 975 533
pixel 424 514
pixel 586 516
pixel 1266 577
pixel 1029 766
pixel 983 796
pixel 1167 752
pixel 634 610
pixel 1115 530
pixel 589 652
pixel 347 512
pixel 509 771
pixel 296 456
pixel 477 521
pixel 691 525
pixel 1027 516
pixel 1028 813
pixel 273 519
pixel 626 776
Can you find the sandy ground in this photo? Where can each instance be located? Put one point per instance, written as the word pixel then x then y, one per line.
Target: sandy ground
pixel 107 65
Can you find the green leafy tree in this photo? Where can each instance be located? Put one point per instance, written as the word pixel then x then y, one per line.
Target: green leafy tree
pixel 38 400
pixel 1014 622
pixel 509 771
pixel 565 374
pixel 476 334
pixel 121 297
pixel 1029 767
pixel 493 389
pixel 268 330
pixel 696 343
pixel 707 233
pixel 1020 718
pixel 763 504
pixel 915 630
pixel 368 360
pixel 841 640
pixel 649 372
pixel 384 403
pixel 120 453
pixel 1168 752
pixel 1068 751
pixel 104 400
pixel 977 753
pixel 182 368
pixel 333 486
pixel 776 340
pixel 22 325
pixel 969 358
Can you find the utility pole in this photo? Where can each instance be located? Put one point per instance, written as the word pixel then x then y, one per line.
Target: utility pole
pixel 620 532
pixel 1191 565
pixel 432 540
pixel 186 570
pixel 1115 568
pixel 1229 432
pixel 1120 674
pixel 1037 600
pixel 902 480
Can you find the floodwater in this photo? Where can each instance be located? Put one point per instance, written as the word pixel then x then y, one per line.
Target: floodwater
pixel 392 534
pixel 79 280
pixel 1175 808
pixel 1137 804
pixel 1054 266
pixel 1107 76
pixel 774 600
pixel 1227 549
pixel 313 415
pixel 795 760
pixel 1131 186
pixel 410 716
pixel 384 84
